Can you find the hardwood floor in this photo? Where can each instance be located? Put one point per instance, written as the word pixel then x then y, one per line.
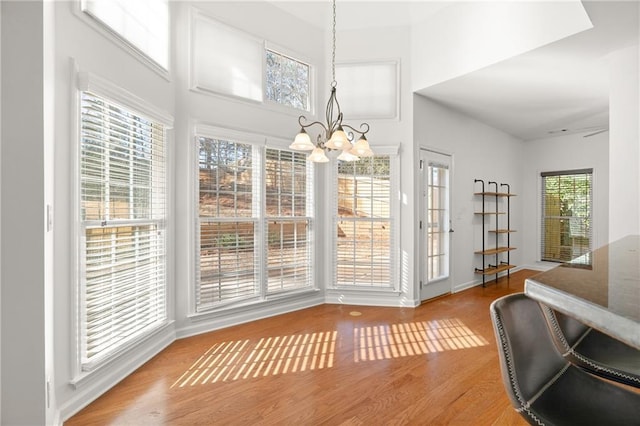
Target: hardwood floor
pixel 328 365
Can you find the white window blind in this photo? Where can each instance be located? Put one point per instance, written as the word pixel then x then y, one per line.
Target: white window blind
pixel 287 222
pixel 228 220
pixel 566 214
pixel 144 24
pixel 123 210
pixel 364 254
pixel 368 90
pixel 225 60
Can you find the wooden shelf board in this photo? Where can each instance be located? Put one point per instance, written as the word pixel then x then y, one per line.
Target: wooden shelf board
pixel 494 270
pixel 495 250
pixel 502 231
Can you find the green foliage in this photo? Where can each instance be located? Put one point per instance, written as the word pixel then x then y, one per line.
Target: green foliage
pixel 228 240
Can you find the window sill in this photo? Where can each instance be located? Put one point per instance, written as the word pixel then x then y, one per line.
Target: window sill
pixel 130 355
pixel 247 305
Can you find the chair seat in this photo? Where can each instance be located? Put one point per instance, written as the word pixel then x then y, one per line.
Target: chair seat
pixel 576 398
pixel 594 351
pixel 543 386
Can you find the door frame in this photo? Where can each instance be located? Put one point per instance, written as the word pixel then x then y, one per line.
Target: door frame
pixel 444 286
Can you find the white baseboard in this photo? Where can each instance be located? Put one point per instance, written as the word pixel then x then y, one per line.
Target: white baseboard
pixel 206 323
pixel 393 300
pixel 117 370
pixel 540 266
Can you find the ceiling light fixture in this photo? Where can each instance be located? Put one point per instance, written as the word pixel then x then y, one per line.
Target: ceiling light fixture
pixel 332 136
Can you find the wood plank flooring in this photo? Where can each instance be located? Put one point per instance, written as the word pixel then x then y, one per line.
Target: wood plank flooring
pixel 328 365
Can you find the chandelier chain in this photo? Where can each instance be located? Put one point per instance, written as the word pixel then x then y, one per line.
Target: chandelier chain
pixel 333 57
pixel 332 135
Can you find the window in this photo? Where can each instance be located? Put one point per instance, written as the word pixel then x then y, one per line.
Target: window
pixel 566 214
pixel 142 24
pixel 247 251
pixel 364 223
pixel 122 221
pixel 437 221
pixel 287 221
pixel 287 81
pixel 228 220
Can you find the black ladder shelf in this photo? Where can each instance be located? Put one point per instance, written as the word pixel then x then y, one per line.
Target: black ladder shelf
pixel 495 257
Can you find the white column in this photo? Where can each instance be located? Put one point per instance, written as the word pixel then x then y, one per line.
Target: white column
pixel 624 144
pixel 22 252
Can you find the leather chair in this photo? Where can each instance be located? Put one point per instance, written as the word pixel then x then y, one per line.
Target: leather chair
pixel 592 350
pixel 544 387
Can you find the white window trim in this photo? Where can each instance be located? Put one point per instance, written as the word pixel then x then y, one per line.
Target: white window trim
pixel 393 152
pixel 84 81
pixel 124 44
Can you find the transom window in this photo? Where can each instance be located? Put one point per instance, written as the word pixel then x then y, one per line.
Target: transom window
pixel 287 81
pixel 566 214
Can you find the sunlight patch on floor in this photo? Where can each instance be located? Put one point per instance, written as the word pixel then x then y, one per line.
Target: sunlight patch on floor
pixel 243 359
pixel 386 341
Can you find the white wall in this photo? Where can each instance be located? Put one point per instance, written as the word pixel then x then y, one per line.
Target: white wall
pixel 568 152
pixel 479 152
pixel 624 148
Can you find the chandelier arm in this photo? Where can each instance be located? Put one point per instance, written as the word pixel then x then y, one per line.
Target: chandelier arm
pixel 364 126
pixel 305 126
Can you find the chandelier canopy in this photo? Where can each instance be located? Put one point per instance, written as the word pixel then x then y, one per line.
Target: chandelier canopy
pixel 332 135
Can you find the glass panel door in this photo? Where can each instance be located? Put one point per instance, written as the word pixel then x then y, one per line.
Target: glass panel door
pixel 435 224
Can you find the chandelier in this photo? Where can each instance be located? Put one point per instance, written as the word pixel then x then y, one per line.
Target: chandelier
pixel 332 135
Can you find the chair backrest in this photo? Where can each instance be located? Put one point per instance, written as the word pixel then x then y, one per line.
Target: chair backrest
pixel 528 357
pixel 567 331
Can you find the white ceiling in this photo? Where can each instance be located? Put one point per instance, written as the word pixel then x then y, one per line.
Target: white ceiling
pixel 559 88
pixel 360 14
